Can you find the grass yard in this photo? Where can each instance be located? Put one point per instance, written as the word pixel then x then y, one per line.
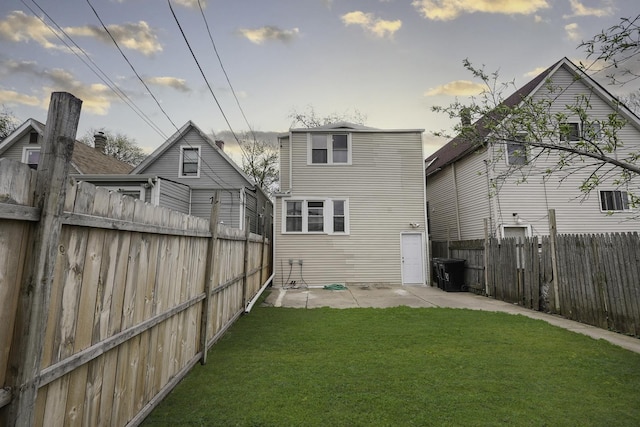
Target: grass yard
pixel 405 366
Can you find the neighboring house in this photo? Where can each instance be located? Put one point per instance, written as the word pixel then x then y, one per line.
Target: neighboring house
pixel 468 183
pixel 192 167
pixel 23 145
pixel 351 207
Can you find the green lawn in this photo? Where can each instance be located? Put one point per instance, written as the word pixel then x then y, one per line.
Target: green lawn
pixel 405 366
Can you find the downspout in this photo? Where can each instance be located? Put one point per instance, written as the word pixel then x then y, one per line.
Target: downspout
pixel 427 267
pixel 486 167
pixel 290 160
pixel 455 189
pixel 273 269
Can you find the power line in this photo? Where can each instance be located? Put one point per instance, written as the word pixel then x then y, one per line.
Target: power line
pixel 131 65
pixel 220 179
pixel 215 49
pixel 204 76
pixel 106 80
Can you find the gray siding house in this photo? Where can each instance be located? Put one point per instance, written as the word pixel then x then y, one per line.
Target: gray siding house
pixel 191 166
pixel 23 145
pixel 351 207
pixel 468 183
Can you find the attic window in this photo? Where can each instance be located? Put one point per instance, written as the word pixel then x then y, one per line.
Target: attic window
pixel 189 162
pixel 329 149
pixel 570 131
pixel 33 138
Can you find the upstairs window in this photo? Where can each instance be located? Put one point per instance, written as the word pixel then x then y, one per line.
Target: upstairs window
pixel 614 201
pixel 31 156
pixel 189 162
pixel 517 153
pixel 33 138
pixel 570 131
pixel 592 131
pixel 329 149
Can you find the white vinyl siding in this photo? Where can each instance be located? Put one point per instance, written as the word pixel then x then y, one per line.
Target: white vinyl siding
pixel 384 191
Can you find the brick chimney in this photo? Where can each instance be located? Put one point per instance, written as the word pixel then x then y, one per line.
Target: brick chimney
pixel 220 144
pixel 100 141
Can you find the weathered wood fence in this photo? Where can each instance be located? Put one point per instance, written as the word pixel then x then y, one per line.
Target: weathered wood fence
pixel 136 296
pixel 597 275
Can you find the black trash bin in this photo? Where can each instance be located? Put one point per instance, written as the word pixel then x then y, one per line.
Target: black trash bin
pixel 450 274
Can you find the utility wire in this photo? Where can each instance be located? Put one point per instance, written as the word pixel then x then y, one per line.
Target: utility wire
pixel 104 78
pixel 131 65
pixel 220 181
pixel 203 75
pixel 215 49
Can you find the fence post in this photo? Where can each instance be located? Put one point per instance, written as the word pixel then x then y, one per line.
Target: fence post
pixel 35 291
pixel 486 258
pixel 245 275
pixel 553 236
pixel 209 275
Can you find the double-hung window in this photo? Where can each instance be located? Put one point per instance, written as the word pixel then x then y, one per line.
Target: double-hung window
pixel 614 201
pixel 189 162
pixel 329 149
pixel 31 156
pixel 570 131
pixel 316 216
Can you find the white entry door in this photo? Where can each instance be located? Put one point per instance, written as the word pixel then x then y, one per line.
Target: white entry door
pixel 412 258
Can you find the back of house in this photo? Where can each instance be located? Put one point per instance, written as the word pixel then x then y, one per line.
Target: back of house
pixel 351 207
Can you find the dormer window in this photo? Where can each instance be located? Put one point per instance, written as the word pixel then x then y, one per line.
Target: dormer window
pixel 189 162
pixel 329 149
pixel 33 138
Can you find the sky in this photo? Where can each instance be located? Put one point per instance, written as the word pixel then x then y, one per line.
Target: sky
pixel 251 64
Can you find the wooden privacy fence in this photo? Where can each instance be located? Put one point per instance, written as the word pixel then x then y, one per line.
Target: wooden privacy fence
pixel 135 297
pixel 597 276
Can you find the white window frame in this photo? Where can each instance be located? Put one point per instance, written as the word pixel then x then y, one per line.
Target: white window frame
pixel 629 209
pixel 119 189
pixel 189 147
pixel 527 227
pixel 568 137
pixel 329 141
pixel 327 215
pixel 243 200
pixel 27 150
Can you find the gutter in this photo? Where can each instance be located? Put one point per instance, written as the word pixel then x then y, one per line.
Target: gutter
pixel 255 298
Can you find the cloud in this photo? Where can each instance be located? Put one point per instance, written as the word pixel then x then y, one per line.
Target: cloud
pixel 135 36
pixel 573 32
pixel 13 97
pixel 580 9
pixel 172 82
pixel 535 72
pixel 96 97
pixel 376 26
pixel 192 4
pixel 19 27
pixel 269 32
pixel 446 10
pixel 458 87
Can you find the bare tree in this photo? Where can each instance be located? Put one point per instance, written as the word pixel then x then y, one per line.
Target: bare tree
pixel 309 118
pixel 260 160
pixel 118 145
pixel 8 123
pixel 540 130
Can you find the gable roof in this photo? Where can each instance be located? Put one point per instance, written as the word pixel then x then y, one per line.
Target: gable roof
pixel 177 136
pixel 460 147
pixel 351 127
pixel 85 159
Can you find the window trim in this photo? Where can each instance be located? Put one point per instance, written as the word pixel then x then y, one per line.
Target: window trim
pixel 327 213
pixel 198 148
pixel 25 155
pixel 519 147
pixel 628 209
pixel 329 141
pixel 568 138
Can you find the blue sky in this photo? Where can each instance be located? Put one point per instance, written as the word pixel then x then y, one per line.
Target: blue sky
pixel 389 60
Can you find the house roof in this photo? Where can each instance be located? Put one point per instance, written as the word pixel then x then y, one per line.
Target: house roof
pixel 85 159
pixel 351 127
pixel 177 136
pixel 460 147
